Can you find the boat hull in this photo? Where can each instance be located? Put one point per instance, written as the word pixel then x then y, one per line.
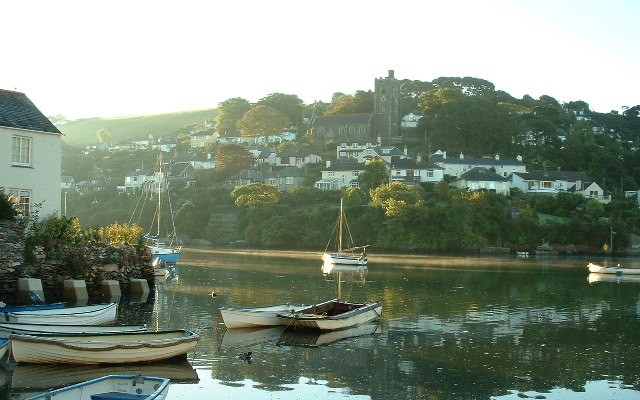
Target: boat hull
pixel 112 387
pixel 123 348
pixel 8 328
pixel 171 257
pixel 32 307
pixel 600 269
pixel 343 259
pixel 332 315
pixel 85 315
pixel 254 317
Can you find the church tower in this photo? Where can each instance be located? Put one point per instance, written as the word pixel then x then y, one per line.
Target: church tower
pixel 386 108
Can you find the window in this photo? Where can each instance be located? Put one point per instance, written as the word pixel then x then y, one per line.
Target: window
pixel 289 180
pixel 429 173
pixel 22 198
pixel 547 185
pixel 331 174
pixel 355 174
pixel 21 150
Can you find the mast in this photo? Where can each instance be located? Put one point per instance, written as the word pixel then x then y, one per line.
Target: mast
pixel 159 190
pixel 340 228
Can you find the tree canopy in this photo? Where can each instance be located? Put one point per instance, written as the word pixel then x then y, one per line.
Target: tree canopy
pixel 230 112
pixel 255 194
pixel 263 121
pixel 231 158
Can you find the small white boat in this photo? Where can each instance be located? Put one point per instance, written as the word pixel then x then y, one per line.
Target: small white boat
pixel 617 270
pixel 345 255
pixel 112 387
pixel 84 315
pixel 8 328
pixel 4 346
pixel 332 315
pixel 255 317
pixel 121 348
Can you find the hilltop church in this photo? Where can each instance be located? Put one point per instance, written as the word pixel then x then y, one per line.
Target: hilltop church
pixel 382 125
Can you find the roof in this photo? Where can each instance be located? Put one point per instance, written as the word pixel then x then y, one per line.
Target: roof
pixel 411 163
pixel 439 158
pixel 480 174
pixel 363 118
pixel 17 111
pixel 348 164
pixel 289 172
pixel 569 176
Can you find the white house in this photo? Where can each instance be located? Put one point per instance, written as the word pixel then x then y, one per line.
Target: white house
pixel 480 178
pixel 416 170
pixel 410 120
pixel 340 174
pixel 456 166
pixel 554 182
pixel 30 147
pixel 135 180
pixel 200 139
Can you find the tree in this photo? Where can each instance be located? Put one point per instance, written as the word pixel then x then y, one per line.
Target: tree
pixel 288 104
pixel 103 136
pixel 395 195
pixel 8 209
pixel 230 112
pixel 263 121
pixel 361 102
pixel 232 158
pixel 375 173
pixel 255 194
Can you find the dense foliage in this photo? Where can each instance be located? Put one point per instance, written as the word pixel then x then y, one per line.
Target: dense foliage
pixel 7 208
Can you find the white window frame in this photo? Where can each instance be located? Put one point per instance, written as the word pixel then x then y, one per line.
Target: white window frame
pixel 21 151
pixel 22 199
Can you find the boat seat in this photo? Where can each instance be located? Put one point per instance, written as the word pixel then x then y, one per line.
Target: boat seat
pixel 118 396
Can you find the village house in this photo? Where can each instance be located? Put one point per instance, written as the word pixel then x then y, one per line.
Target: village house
pixel 200 139
pixel 480 178
pixel 415 171
pixel 554 182
pixel 286 178
pixel 456 166
pixel 67 183
pixel 31 146
pixel 297 158
pixel 340 174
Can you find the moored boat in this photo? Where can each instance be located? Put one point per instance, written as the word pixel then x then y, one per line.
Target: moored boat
pixel 8 328
pixel 112 387
pixel 31 307
pixel 255 317
pixel 346 255
pixel 617 270
pixel 84 315
pixel 332 315
pixel 4 346
pixel 122 348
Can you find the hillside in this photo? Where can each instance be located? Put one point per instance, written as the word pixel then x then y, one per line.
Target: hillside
pixel 83 132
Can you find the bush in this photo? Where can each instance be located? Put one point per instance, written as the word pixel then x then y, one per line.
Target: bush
pixel 7 207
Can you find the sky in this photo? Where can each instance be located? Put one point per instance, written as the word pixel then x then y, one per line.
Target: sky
pixel 83 59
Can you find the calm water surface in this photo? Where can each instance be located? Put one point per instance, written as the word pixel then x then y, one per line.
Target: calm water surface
pixel 452 328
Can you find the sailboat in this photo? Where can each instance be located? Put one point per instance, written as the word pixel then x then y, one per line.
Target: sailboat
pixel 163 253
pixel 352 255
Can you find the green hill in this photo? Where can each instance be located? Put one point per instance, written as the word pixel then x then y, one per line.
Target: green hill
pixel 83 132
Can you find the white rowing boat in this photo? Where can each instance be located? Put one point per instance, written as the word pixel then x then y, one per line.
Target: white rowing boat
pixel 100 314
pixel 8 328
pixel 255 317
pixel 112 387
pixel 122 348
pixel 332 315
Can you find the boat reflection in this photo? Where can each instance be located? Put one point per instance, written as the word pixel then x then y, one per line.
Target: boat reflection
pixel 32 377
pixel 595 278
pixel 314 338
pixel 249 336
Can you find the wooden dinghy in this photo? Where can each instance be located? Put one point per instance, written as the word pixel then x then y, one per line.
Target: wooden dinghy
pixel 100 314
pixel 255 317
pixel 112 387
pixel 332 315
pixel 8 328
pixel 122 348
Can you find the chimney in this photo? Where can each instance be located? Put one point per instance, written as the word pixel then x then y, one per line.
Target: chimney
pixel 497 157
pixel 419 157
pixel 519 158
pixel 444 155
pixel 328 163
pixel 461 156
pixel 405 150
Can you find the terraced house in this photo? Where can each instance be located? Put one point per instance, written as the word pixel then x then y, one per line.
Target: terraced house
pixel 30 155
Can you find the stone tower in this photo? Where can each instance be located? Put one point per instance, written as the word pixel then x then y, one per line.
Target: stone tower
pixel 386 108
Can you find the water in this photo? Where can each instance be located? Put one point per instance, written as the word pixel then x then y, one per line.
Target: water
pixel 452 328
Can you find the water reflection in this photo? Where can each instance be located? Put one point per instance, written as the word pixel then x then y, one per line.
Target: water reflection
pixel 452 328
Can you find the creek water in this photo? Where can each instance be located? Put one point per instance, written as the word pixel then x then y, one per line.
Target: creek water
pixel 452 328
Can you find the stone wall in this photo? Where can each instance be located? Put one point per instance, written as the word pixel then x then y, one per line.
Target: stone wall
pixel 92 263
